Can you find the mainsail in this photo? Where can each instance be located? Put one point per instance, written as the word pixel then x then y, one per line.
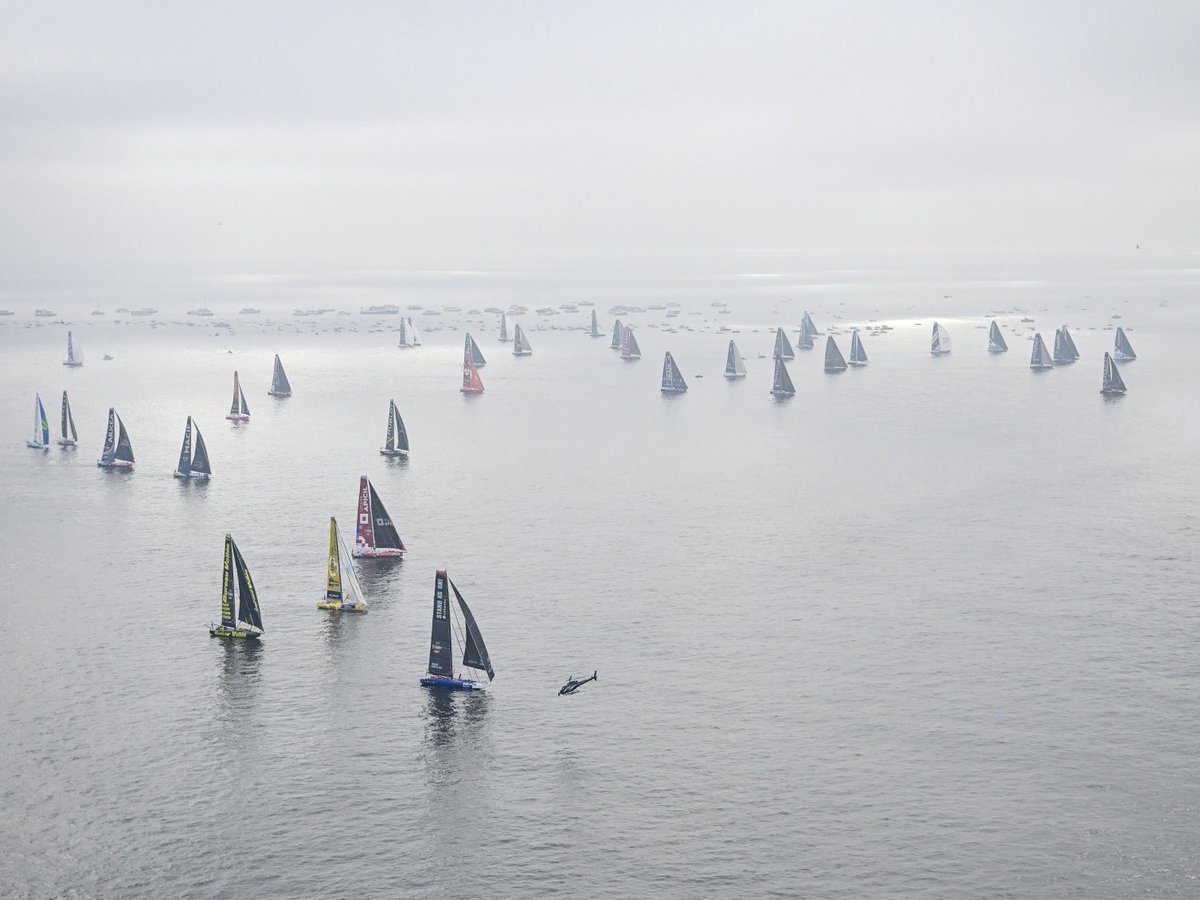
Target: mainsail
pixel 473 352
pixel 183 468
pixel 618 335
pixel 240 613
pixel 504 328
pixel 996 343
pixel 192 464
pixel 69 437
pixel 41 426
pixel 520 342
pixel 117 451
pixel 782 384
pixel 280 387
pixel 397 434
pixel 414 336
pixel 247 605
pixel 629 345
pixel 74 354
pixel 858 353
pixel 375 534
pixel 672 378
pixel 404 341
pixel 940 341
pixel 783 347
pixel 808 329
pixel 1040 357
pixel 238 410
pixel 594 330
pixel 734 366
pixel 1124 350
pixel 1113 383
pixel 342 590
pixel 834 361
pixel 1064 347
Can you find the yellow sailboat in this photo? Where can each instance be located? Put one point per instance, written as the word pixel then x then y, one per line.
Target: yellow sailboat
pixel 342 590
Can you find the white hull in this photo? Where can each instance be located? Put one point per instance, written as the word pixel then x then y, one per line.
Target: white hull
pixel 37 445
pixel 857 364
pixel 115 464
pixel 386 452
pixel 1121 357
pixel 193 476
pixel 734 375
pixel 73 365
pixel 66 442
pixel 523 353
pixel 278 394
pixel 375 552
pixel 238 417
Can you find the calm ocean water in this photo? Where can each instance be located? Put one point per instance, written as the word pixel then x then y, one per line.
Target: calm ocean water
pixel 926 629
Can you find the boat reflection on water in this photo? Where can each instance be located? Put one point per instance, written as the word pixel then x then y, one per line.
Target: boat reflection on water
pixel 455 719
pixel 239 674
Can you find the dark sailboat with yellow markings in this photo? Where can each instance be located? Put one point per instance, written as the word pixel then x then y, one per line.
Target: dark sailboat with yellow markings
pixel 240 615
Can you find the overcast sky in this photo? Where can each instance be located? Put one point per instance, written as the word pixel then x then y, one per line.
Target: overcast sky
pixel 241 143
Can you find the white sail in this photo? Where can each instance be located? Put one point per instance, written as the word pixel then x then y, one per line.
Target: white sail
pixel 940 341
pixel 351 590
pixel 996 342
pixel 414 336
pixel 1040 357
pixel 858 353
pixel 734 366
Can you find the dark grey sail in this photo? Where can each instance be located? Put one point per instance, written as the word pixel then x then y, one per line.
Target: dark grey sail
pixel 184 467
pixel 1124 350
pixel 734 366
pixel 617 335
pixel 441 652
pixel 228 588
pixel 858 353
pixel 996 342
pixel 1040 357
pixel 809 328
pixel 385 532
pixel 247 610
pixel 475 654
pixel 1064 347
pixel 672 378
pixel 280 386
pixel 594 330
pixel 834 361
pixel 401 431
pixel 124 451
pixel 782 384
pixel 473 352
pixel 1113 383
pixel 783 347
pixel 200 462
pixel 68 421
pixel 403 342
pixel 503 328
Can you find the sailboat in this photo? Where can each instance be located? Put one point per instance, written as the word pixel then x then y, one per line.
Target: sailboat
pixel 618 335
pixel 783 347
pixel 74 354
pixel 939 344
pixel 240 615
pixel 1113 383
pixel 440 672
pixel 858 353
pixel 781 386
pixel 117 453
pixel 672 378
pixel 397 434
pixel 375 535
pixel 414 336
pixel 238 410
pixel 834 361
pixel 41 426
pixel 734 367
pixel 471 382
pixel 1123 350
pixel 280 387
pixel 504 338
pixel 69 437
pixel 473 352
pixel 629 346
pixel 193 455
pixel 521 343
pixel 1064 347
pixel 404 343
pixel 594 330
pixel 996 343
pixel 342 590
pixel 1040 358
pixel 808 327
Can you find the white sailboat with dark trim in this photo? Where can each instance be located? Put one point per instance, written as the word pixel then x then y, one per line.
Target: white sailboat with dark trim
pixel 939 343
pixel 504 338
pixel 375 536
pixel 440 673
pixel 520 342
pixel 280 386
pixel 783 347
pixel 996 342
pixel 404 343
pixel 473 352
pixel 397 435
pixel 594 329
pixel 735 367
pixel 1065 351
pixel 1040 358
pixel 69 437
pixel 629 346
pixel 1123 350
pixel 343 593
pixel 1113 382
pixel 858 353
pixel 193 455
pixel 781 385
pixel 41 426
pixel 240 614
pixel 618 335
pixel 808 327
pixel 117 453
pixel 74 354
pixel 834 361
pixel 672 378
pixel 238 410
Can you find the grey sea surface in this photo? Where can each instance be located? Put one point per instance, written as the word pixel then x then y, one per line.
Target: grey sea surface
pixel 927 629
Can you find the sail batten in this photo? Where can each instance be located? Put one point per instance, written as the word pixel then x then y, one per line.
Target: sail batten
pixel 1065 351
pixel 375 533
pixel 69 436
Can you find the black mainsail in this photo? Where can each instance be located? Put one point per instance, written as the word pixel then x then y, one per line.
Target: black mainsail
pixel 783 347
pixel 280 386
pixel 475 654
pixel 200 464
pixel 441 651
pixel 247 607
pixel 734 367
pixel 1040 357
pixel 397 434
pixel 617 335
pixel 386 535
pixel 184 467
pixel 782 384
pixel 1064 347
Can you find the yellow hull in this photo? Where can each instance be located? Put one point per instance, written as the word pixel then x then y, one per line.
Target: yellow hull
pixel 234 633
pixel 343 607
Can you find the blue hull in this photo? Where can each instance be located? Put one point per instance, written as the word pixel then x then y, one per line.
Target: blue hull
pixel 453 684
